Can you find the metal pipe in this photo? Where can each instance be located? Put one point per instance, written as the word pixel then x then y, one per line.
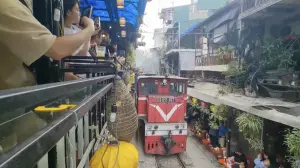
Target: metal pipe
pixel 86 154
pixel 229 126
pixel 101 136
pixel 27 153
pixel 179 35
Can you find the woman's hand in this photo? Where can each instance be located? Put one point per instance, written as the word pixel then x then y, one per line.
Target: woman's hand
pixel 96 31
pixel 87 22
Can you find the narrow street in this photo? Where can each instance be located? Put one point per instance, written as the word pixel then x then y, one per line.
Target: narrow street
pixel 196 156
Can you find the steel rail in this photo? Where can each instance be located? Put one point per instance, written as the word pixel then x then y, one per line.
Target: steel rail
pixel 30 151
pixel 22 97
pixel 179 161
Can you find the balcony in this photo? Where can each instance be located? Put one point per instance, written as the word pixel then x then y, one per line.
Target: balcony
pixel 253 9
pixel 212 63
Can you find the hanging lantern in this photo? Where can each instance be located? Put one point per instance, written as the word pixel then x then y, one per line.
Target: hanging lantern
pixel 122 22
pixel 123 33
pixel 120 3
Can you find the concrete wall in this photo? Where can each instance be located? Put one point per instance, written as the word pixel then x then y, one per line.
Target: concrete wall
pixel 182 15
pixel 211 4
pixel 187 16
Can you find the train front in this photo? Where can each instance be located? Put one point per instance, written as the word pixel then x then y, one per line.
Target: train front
pixel 161 108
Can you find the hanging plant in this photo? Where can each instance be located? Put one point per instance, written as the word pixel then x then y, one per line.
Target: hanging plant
pixel 251 126
pixel 292 141
pixel 219 112
pixel 217 115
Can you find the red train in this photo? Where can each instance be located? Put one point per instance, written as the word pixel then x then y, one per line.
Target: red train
pixel 161 106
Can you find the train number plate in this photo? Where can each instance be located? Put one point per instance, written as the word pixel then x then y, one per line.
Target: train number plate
pixel 166 100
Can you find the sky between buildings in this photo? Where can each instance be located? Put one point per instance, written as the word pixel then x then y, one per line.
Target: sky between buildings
pixel 151 18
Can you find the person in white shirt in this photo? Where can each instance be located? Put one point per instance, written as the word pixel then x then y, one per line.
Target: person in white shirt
pixel 71 19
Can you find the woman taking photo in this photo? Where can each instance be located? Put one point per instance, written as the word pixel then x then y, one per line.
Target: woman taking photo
pixel 71 26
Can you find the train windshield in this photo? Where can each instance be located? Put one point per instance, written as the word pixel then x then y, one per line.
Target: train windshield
pixel 147 88
pixel 177 88
pixel 161 87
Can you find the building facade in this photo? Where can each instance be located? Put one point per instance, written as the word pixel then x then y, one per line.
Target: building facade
pixel 178 21
pixel 158 38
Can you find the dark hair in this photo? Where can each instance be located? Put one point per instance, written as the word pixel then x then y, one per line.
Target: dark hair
pixel 68 5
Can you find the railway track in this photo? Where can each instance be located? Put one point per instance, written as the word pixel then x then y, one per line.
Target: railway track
pixel 173 161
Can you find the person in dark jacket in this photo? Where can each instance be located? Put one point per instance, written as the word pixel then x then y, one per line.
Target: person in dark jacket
pixel 239 159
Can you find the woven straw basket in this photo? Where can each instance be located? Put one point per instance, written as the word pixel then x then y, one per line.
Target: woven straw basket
pixel 126 78
pixel 126 124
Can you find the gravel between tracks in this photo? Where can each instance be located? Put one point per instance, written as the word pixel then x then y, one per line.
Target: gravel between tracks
pixel 169 162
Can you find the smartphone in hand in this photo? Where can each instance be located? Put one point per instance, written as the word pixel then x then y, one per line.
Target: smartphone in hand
pixel 88 13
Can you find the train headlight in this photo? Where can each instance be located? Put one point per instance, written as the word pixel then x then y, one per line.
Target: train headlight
pixel 164 82
pixel 149 127
pixel 156 127
pixel 176 126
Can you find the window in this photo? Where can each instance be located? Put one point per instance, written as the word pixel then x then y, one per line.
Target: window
pixel 147 88
pixel 177 88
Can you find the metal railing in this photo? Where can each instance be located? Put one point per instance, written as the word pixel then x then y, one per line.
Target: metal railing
pixel 251 4
pixel 62 139
pixel 212 59
pixel 172 45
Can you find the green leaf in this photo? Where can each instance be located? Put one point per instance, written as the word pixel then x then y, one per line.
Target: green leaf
pixel 251 126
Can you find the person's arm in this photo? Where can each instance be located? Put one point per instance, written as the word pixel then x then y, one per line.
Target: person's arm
pixel 66 45
pixel 85 49
pixel 70 76
pixel 26 38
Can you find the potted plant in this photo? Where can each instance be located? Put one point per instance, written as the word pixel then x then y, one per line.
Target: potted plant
pixel 292 141
pixel 198 132
pixel 224 53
